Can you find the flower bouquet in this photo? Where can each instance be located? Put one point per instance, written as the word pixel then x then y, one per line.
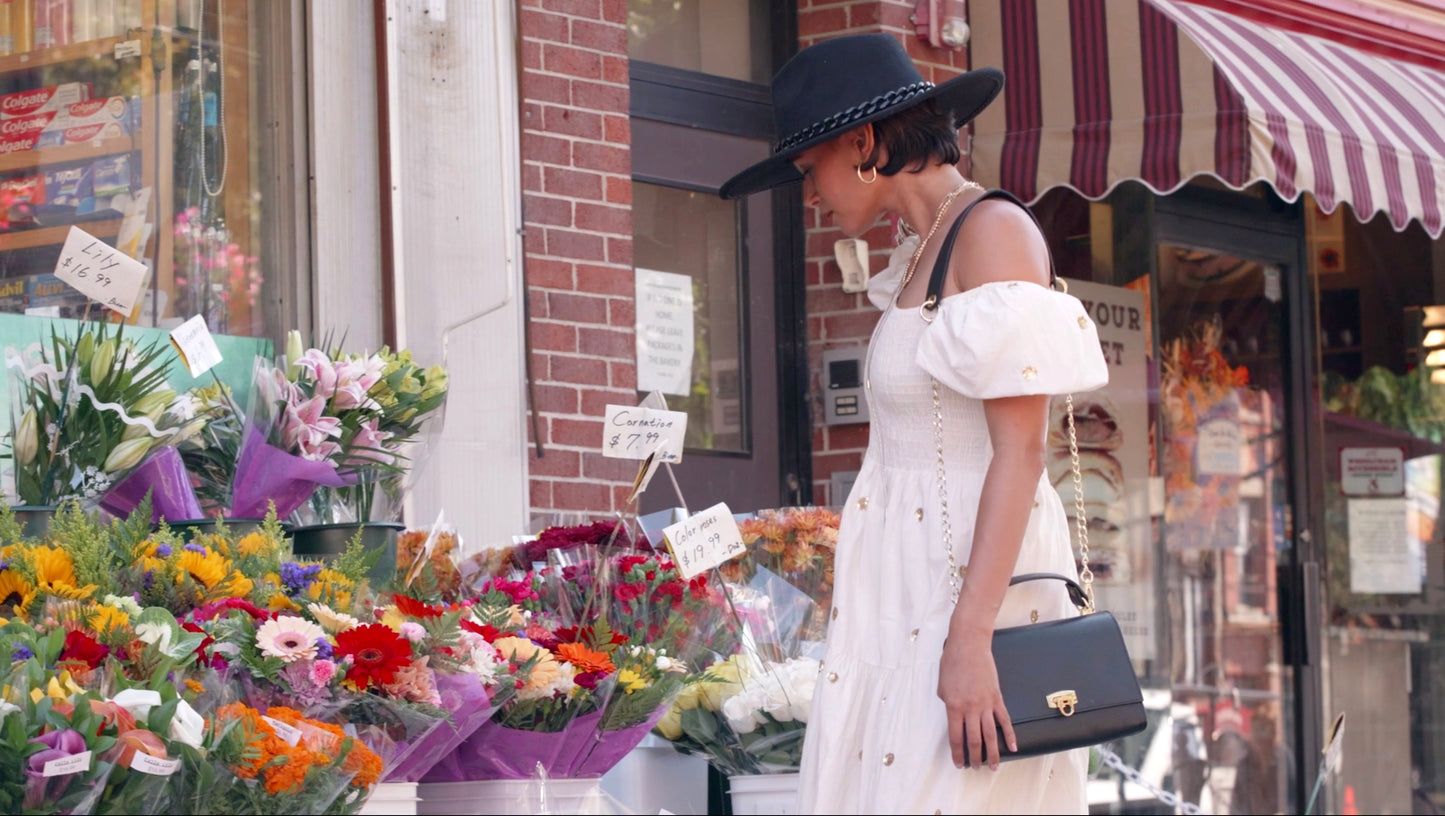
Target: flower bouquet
pixel 796 544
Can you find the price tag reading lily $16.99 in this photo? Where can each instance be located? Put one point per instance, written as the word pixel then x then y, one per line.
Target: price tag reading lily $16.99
pixel 704 540
pixel 100 271
pixel 633 432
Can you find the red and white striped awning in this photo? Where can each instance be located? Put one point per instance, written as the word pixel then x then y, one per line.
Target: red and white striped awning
pixel 1161 91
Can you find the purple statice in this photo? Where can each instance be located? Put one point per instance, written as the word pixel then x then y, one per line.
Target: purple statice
pixel 196 548
pixel 4 565
pixel 297 578
pixel 163 551
pixel 21 653
pixel 148 579
pixel 323 649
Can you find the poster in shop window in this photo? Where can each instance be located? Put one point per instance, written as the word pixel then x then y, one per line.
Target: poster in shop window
pixel 664 332
pixel 1111 424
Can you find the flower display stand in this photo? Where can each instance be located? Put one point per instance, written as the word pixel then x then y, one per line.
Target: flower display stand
pixel 754 794
pixel 499 796
pixel 388 798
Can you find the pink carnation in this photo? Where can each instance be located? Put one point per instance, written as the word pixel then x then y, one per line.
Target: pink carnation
pixel 322 671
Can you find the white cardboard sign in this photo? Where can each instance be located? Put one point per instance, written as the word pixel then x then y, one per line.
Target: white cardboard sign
pixel 1372 471
pixel 705 540
pixel 100 271
pixel 634 432
pixel 196 346
pixel 76 763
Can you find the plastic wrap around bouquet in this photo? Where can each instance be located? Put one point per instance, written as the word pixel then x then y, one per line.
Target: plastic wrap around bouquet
pixel 600 648
pixel 164 479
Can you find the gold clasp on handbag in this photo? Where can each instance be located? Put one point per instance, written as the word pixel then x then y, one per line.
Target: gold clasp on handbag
pixel 1064 701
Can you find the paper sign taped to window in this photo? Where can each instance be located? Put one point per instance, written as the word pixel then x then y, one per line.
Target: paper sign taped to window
pixel 100 271
pixel 704 541
pixel 633 432
pixel 197 348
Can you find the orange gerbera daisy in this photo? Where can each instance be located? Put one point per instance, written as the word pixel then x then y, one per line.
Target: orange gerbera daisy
pixel 585 659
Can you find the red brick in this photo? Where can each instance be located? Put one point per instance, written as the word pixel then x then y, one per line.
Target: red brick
pixel 549 336
pixel 619 190
pixel 606 280
pixel 554 399
pixel 536 302
pixel 588 496
pixel 573 308
pixel 616 220
pixel 557 462
pixel 607 342
pixel 584 124
pixel 605 37
pixel 597 96
pixel 572 62
pixel 833 299
pixel 539 493
pixel 837 327
pixel 603 157
pixel 618 129
pixel 614 70
pixel 534 241
pixel 531 176
pixel 531 54
pixel 539 25
pixel 572 183
pixel 614 11
pixel 848 437
pixel 540 87
pixel 603 468
pixel 619 250
pixel 623 375
pixel 539 147
pixel 582 246
pixel 577 370
pixel 899 16
pixel 820 243
pixel 863 15
pixel 591 9
pixel 824 464
pixel 595 402
pixel 622 312
pixel 821 21
pixel 542 209
pixel 585 433
pixel 540 367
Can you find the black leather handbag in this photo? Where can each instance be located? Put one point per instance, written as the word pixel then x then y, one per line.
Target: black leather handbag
pixel 1066 683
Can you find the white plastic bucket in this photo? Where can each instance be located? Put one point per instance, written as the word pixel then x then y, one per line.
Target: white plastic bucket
pixel 500 796
pixel 389 798
pixel 758 794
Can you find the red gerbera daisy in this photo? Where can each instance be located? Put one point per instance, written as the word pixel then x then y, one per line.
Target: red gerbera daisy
pixel 486 630
pixel 411 607
pixel 376 653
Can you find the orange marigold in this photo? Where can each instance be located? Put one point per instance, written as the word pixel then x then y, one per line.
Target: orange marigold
pixel 585 659
pixel 365 763
pixel 284 777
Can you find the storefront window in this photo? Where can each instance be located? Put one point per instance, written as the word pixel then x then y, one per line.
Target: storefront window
pixel 138 122
pixel 1383 392
pixel 721 37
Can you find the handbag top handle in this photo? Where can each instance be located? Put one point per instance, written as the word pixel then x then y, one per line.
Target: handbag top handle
pixel 940 265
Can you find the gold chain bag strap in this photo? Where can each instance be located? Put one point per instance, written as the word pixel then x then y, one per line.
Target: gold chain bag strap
pixel 1067 683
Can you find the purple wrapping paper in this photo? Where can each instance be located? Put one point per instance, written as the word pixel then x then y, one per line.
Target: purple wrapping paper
pixel 164 475
pixel 496 752
pixel 470 706
pixel 265 474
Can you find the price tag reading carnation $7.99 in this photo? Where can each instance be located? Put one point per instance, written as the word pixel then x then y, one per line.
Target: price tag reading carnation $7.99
pixel 633 432
pixel 704 540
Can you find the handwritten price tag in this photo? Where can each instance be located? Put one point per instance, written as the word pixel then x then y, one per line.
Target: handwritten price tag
pixel 99 271
pixel 155 766
pixel 77 763
pixel 633 432
pixel 196 346
pixel 705 540
pixel 285 731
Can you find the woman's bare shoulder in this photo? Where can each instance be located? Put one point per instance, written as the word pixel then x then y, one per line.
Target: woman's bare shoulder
pixel 999 242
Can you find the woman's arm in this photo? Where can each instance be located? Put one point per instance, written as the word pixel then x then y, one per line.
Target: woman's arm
pixel 999 242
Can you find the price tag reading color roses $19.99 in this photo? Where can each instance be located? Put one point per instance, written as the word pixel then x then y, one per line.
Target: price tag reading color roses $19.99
pixel 704 540
pixel 633 432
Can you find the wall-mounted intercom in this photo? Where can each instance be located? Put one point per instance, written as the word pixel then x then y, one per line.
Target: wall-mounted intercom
pixel 844 400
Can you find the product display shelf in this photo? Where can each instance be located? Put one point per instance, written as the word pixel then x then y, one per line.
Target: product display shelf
pixel 56 55
pixel 60 154
pixel 26 239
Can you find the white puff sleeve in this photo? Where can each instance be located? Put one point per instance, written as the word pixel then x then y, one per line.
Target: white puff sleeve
pixel 1010 339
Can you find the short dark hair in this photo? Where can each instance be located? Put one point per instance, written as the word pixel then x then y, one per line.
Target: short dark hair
pixel 914 137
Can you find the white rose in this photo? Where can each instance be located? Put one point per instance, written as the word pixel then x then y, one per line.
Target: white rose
pixel 739 711
pixel 155 633
pixel 187 726
pixel 138 702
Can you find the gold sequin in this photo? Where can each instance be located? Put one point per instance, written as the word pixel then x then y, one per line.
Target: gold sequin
pixel 913 635
pixel 887 759
pixel 1030 372
pixel 835 613
pixel 1036 505
pixel 1034 616
pixel 832 677
pixel 918 514
pixel 863 503
pixel 1083 322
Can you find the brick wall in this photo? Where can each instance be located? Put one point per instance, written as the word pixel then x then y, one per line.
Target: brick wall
pixel 835 318
pixel 577 195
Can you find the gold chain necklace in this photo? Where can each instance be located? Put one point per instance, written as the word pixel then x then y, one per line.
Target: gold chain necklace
pixel 937 220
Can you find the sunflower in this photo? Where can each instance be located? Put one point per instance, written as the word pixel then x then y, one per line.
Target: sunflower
pixel 332 588
pixel 255 544
pixel 278 602
pixel 52 565
pixel 15 593
pixel 206 567
pixel 376 653
pixel 106 617
pixel 236 585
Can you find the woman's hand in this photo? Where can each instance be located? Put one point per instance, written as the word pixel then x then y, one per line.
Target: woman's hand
pixel 968 687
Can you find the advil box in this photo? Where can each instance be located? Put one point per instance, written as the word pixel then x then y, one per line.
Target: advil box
pixel 43 100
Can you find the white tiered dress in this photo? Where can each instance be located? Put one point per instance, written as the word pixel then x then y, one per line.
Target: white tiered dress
pixel 877 739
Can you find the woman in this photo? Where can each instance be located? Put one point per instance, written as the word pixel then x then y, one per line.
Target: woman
pixel 910 687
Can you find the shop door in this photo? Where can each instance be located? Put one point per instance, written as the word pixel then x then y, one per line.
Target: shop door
pixel 1226 297
pixel 723 251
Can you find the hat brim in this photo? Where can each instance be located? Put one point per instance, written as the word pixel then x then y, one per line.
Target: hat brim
pixel 966 95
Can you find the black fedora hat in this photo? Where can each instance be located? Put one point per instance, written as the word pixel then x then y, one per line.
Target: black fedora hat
pixel 843 83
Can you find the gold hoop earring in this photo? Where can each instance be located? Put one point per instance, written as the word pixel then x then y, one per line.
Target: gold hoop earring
pixel 870 180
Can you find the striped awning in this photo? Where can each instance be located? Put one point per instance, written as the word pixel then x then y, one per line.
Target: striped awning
pixel 1160 91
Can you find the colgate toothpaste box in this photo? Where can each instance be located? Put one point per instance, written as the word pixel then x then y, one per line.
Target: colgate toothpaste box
pixel 23 132
pixel 49 99
pixel 85 121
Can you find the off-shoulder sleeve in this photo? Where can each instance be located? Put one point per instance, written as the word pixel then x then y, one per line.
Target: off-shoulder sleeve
pixel 1010 339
